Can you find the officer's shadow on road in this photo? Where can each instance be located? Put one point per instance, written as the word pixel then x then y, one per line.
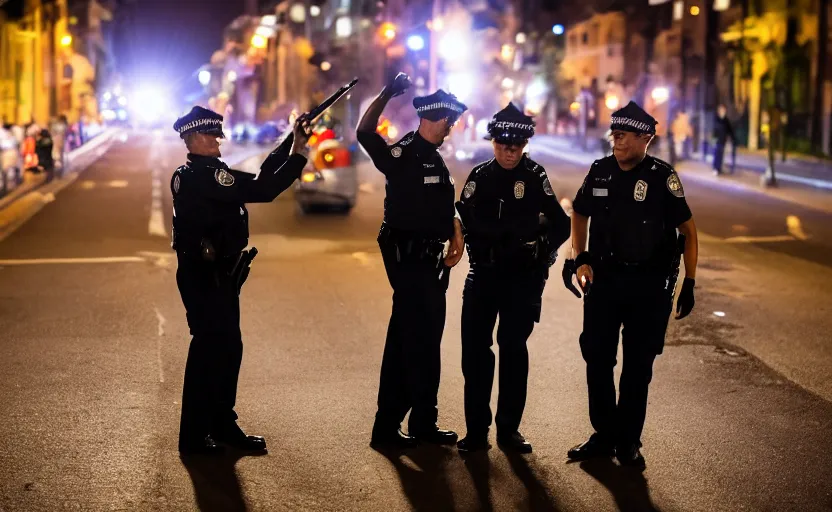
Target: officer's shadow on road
pixel 627 486
pixel 424 477
pixel 216 485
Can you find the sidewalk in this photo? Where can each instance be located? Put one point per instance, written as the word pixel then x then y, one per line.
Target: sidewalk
pixel 803 183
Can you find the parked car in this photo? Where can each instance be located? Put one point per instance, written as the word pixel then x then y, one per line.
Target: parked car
pixel 330 178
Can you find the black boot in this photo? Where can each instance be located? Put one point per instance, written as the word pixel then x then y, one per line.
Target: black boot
pixel 514 442
pixel 596 446
pixel 205 446
pixel 434 435
pixel 473 443
pixel 233 436
pixel 629 455
pixel 389 438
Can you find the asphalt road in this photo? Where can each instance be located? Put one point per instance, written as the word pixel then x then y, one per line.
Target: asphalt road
pixel 94 346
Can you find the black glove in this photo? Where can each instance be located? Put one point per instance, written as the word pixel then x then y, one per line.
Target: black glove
pixel 398 85
pixel 685 302
pixel 569 271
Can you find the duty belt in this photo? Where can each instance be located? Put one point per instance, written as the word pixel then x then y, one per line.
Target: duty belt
pixel 411 246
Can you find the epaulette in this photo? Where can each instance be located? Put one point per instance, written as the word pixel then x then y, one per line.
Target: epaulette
pixel 407 139
pixel 531 164
pixel 182 168
pixel 662 163
pixel 481 166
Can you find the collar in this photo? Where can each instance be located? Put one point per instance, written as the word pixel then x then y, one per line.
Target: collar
pixel 206 161
pixel 420 142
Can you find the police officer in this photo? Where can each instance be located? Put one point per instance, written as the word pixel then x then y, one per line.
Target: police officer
pixel 513 226
pixel 419 218
pixel 210 231
pixel 628 276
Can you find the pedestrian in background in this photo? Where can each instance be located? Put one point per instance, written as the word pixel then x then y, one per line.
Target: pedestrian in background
pixel 43 150
pixel 723 130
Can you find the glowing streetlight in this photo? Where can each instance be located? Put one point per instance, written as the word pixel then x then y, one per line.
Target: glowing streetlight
pixel 557 29
pixel 520 38
pixel 326 66
pixel 611 101
pixel 268 20
pixel 297 13
pixel 314 11
pixel 387 31
pixel 694 10
pixel 508 83
pixel 461 85
pixel 454 46
pixel 259 41
pixel 204 77
pixel 66 40
pixel 343 27
pixel 660 94
pixel 415 42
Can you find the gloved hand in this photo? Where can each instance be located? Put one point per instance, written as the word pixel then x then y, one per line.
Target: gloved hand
pixel 568 272
pixel 685 302
pixel 398 85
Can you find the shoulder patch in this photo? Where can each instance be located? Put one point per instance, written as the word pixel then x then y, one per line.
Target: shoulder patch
pixel 674 185
pixel 223 177
pixel 469 189
pixel 547 187
pixel 176 183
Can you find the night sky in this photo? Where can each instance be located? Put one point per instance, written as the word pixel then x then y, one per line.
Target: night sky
pixel 162 42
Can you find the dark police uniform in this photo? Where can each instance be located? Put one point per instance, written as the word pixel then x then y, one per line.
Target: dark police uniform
pixel 418 220
pixel 632 251
pixel 210 233
pixel 510 252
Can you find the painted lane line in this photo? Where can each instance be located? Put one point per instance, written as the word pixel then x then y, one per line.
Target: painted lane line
pixel 156 224
pixel 160 331
pixel 795 227
pixel 65 261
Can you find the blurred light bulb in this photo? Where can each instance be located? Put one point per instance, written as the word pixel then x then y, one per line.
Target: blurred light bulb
pixel 204 77
pixel 326 66
pixel 314 11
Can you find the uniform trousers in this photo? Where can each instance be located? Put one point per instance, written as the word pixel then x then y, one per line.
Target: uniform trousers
pixel 638 301
pixel 514 296
pixel 411 363
pixel 212 306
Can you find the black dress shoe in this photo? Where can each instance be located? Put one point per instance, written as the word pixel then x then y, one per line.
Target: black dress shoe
pixel 629 455
pixel 596 446
pixel 473 443
pixel 435 436
pixel 392 439
pixel 234 437
pixel 206 446
pixel 514 442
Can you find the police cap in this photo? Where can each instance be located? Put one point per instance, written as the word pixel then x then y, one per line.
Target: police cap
pixel 633 118
pixel 439 105
pixel 510 126
pixel 199 120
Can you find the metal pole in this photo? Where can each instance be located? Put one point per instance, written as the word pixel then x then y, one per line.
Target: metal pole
pixel 434 41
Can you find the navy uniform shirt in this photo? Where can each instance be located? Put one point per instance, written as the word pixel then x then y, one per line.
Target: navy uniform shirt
pixel 419 187
pixel 501 208
pixel 634 213
pixel 209 200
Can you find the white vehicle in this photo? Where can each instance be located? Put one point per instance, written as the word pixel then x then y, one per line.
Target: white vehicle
pixel 10 163
pixel 330 179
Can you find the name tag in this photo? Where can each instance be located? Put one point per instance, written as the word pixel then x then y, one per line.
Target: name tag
pixel 600 192
pixel 432 179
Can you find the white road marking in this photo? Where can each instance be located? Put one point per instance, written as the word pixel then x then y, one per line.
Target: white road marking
pixel 156 224
pixel 63 261
pixel 87 184
pixel 118 184
pixel 160 330
pixel 795 228
pixel 758 239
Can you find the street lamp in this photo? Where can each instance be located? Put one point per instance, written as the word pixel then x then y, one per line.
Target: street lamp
pixel 314 11
pixel 343 27
pixel 326 66
pixel 611 101
pixel 66 40
pixel 453 46
pixel 660 94
pixel 557 29
pixel 415 42
pixel 387 31
pixel 204 77
pixel 259 42
pixel 520 38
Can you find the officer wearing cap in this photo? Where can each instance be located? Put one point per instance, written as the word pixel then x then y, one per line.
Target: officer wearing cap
pixel 513 226
pixel 628 275
pixel 419 218
pixel 210 233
